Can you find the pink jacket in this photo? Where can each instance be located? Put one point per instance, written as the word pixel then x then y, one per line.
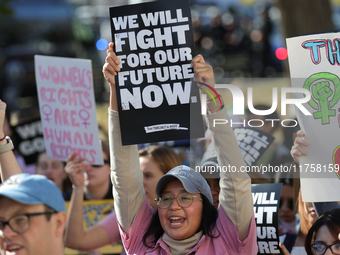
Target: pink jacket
pixel 236 203
pixel 226 243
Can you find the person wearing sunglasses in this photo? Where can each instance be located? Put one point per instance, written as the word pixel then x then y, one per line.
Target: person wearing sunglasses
pixel 186 221
pixel 288 221
pixel 92 181
pixel 322 237
pixel 89 182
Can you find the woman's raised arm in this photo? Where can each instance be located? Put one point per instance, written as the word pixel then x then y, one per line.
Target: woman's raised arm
pixel 235 195
pixel 8 163
pixel 126 176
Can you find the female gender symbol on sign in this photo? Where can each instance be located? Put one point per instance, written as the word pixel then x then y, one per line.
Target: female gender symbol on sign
pixel 84 115
pixel 321 89
pixel 47 111
pixel 336 160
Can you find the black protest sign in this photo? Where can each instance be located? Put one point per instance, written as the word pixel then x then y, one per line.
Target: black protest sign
pixel 29 139
pixel 266 199
pixel 253 143
pixel 156 99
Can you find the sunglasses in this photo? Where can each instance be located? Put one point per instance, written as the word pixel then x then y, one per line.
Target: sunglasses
pixel 290 202
pixel 106 162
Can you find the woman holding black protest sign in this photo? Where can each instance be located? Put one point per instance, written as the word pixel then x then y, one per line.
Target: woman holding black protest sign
pixel 189 223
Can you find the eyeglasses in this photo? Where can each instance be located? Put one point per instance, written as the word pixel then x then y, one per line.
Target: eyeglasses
pixel 184 200
pixel 106 162
pixel 320 248
pixel 20 223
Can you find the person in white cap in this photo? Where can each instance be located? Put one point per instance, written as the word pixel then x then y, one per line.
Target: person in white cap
pixel 186 221
pixel 32 209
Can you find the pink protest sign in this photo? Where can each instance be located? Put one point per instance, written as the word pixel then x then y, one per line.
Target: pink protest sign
pixel 67 108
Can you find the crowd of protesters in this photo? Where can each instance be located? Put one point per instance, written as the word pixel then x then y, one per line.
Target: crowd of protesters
pixel 161 206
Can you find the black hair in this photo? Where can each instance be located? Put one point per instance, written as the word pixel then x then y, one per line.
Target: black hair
pixel 331 219
pixel 209 217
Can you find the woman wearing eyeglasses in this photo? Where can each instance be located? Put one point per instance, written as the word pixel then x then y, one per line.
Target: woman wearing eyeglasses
pixel 155 161
pixel 323 236
pixel 186 221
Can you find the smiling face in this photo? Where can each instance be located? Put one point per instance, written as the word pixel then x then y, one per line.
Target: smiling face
pixel 38 239
pixel 151 174
pixel 177 222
